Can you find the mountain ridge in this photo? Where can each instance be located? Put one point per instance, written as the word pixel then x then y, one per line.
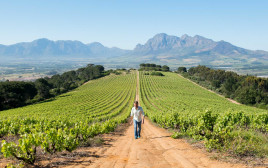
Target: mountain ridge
pixel 162 48
pixel 45 47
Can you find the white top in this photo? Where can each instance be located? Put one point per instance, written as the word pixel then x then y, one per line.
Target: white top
pixel 137 113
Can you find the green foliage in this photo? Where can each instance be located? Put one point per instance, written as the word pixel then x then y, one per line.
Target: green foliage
pixel 25 150
pixel 174 102
pixel 69 120
pixel 43 88
pixel 182 69
pixel 16 94
pixel 249 90
pixel 157 73
pixel 165 68
pixel 20 165
pixel 117 72
pixel 153 67
pixel 177 135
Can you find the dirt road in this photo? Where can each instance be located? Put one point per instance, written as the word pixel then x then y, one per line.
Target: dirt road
pixel 155 148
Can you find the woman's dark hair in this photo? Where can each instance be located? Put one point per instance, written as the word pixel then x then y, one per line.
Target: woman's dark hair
pixel 136 102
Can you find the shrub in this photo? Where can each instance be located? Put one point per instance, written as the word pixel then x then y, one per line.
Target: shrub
pixel 157 74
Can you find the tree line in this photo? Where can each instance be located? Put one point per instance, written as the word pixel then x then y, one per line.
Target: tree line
pixel 17 93
pixel 150 67
pixel 246 89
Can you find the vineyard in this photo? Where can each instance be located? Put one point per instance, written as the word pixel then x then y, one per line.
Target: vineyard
pixel 64 122
pixel 97 107
pixel 173 102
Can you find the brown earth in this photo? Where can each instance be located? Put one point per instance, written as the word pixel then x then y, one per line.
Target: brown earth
pixel 155 148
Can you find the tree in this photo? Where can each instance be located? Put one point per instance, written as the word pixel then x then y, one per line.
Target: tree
pixel 142 65
pixel 43 88
pixel 15 94
pixel 230 85
pixel 90 65
pixel 246 95
pixel 182 69
pixel 165 68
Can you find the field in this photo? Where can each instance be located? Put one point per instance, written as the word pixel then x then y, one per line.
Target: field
pixel 174 93
pixel 174 102
pixel 28 70
pixel 62 123
pixel 97 107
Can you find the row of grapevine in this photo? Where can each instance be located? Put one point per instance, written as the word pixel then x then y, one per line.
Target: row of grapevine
pixel 68 120
pixel 174 102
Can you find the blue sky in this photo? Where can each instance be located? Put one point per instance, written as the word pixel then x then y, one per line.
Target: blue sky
pixel 124 23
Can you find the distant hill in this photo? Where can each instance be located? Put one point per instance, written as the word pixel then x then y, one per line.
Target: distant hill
pixel 63 48
pixel 162 49
pixel 196 50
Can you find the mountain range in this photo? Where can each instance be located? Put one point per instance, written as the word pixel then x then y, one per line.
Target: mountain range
pixel 61 48
pixel 162 49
